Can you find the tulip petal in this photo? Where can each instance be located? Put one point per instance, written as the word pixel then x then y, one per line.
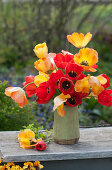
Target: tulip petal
pixel 79 40
pixel 102 79
pixel 59 100
pixel 17 94
pixel 42 77
pixel 86 39
pixel 87 58
pixel 26 138
pixel 82 85
pixel 93 80
pixel 97 89
pixel 43 65
pixel 60 110
pixel 9 90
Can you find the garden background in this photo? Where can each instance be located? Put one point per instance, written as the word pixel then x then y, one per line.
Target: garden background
pixel 25 23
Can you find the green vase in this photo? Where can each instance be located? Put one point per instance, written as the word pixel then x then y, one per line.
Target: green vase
pixel 66 128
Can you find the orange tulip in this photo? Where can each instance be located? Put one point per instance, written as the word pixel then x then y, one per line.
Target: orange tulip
pixel 79 40
pixel 87 58
pixel 43 65
pixel 96 84
pixel 17 94
pixel 89 83
pixel 46 64
pixel 97 89
pixel 83 85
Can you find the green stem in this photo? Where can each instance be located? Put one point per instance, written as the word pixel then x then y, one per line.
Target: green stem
pixel 27 85
pixel 93 96
pixel 48 140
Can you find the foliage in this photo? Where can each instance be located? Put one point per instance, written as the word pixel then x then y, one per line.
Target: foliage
pixel 35 129
pixel 14 118
pixel 11 116
pixel 26 24
pixel 40 132
pixel 92 114
pixel 44 115
pixel 102 44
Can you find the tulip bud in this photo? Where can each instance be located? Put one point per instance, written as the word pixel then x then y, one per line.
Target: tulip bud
pixel 41 145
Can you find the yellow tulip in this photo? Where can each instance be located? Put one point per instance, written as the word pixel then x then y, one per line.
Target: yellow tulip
pixel 42 77
pixel 26 138
pixel 41 50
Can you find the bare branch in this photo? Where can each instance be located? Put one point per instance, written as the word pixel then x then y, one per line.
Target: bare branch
pixel 107 20
pixel 96 20
pixel 86 16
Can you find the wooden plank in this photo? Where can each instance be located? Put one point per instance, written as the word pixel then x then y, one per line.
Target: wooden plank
pixel 94 143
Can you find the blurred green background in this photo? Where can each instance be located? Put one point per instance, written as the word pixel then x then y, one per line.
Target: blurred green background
pixel 23 24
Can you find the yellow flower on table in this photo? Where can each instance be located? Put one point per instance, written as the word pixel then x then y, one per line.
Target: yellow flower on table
pixel 27 139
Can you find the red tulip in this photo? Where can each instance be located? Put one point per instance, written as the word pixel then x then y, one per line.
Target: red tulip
pixel 40 146
pixel 61 60
pixel 66 85
pixel 55 78
pixel 105 97
pixel 31 88
pixel 44 92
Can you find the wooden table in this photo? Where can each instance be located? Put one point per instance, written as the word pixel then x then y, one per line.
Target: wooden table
pixel 93 152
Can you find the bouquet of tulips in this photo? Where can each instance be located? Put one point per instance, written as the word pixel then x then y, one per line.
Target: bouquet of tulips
pixel 64 77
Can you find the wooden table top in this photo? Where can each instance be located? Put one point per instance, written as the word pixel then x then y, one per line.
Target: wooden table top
pixel 93 143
